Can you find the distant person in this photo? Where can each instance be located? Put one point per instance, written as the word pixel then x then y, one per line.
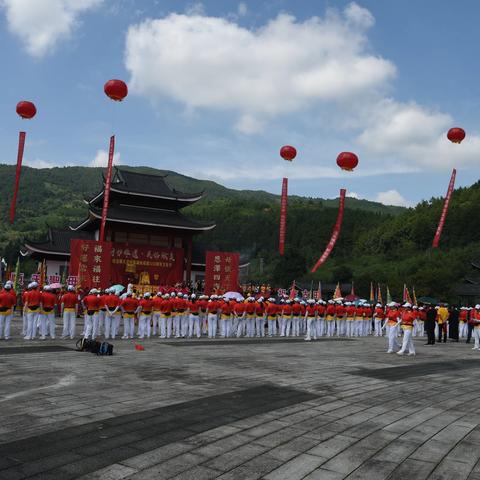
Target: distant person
pixel 431 316
pixel 442 319
pixel 453 322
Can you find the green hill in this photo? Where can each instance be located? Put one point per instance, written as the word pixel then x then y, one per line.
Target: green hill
pixel 378 243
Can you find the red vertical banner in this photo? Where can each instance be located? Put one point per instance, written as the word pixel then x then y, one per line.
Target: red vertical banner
pixel 90 261
pixel 441 223
pixel 283 217
pixel 221 272
pixel 18 171
pixel 335 234
pixel 108 181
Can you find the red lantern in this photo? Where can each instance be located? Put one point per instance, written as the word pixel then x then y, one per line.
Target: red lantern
pixel 288 153
pixel 347 161
pixel 26 109
pixel 456 135
pixel 116 89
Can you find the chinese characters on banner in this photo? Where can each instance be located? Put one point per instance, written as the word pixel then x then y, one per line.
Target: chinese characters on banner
pixel 335 234
pixel 21 278
pixel 72 280
pixel 90 262
pixel 146 264
pixel 221 272
pixel 54 279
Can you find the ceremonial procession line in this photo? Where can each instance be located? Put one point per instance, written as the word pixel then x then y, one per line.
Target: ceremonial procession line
pixel 178 315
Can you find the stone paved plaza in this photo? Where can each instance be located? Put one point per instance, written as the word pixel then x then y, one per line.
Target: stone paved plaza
pixel 239 409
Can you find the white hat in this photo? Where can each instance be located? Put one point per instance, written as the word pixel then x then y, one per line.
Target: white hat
pixel 407 305
pixel 415 307
pixel 193 296
pixel 185 296
pixel 296 299
pixel 477 306
pixel 46 288
pixel 71 288
pixel 271 299
pixel 159 294
pixel 166 296
pixel 311 300
pixel 146 295
pixel 33 285
pixel 331 301
pixel 378 305
pixel 172 294
pixel 92 291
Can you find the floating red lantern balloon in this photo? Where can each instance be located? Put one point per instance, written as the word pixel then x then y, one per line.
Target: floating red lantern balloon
pixel 116 89
pixel 347 161
pixel 26 109
pixel 288 152
pixel 456 135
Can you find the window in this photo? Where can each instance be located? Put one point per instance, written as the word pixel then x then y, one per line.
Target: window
pixel 178 242
pixel 159 240
pixel 120 237
pixel 138 238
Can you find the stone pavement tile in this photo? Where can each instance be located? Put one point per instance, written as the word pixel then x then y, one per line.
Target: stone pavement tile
pixel 296 468
pixel 473 436
pixel 323 474
pixel 453 432
pixel 154 457
pixel 432 450
pixel 301 444
pixel 236 457
pixel 350 459
pixel 254 469
pixel 465 452
pixel 197 473
pixel 449 469
pixel 332 446
pixel 411 421
pixel 320 434
pixel 112 472
pixel 396 451
pixel 218 447
pixel 412 469
pixel 282 453
pixel 373 469
pixel 280 436
pixel 265 429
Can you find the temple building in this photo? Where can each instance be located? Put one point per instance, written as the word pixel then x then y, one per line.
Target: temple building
pixel 144 221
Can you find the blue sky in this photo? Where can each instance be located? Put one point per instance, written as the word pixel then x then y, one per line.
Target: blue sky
pixel 216 88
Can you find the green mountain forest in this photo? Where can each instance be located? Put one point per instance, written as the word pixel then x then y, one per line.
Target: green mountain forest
pixel 390 245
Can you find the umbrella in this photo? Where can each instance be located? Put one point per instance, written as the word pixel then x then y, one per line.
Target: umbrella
pixel 56 285
pixel 234 296
pixel 118 289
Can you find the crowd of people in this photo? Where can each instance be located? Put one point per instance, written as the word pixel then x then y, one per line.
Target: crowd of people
pixel 108 314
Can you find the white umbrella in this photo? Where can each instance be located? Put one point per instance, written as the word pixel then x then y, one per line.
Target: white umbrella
pixel 234 296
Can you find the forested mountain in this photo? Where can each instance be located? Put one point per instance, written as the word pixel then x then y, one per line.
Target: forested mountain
pixel 383 244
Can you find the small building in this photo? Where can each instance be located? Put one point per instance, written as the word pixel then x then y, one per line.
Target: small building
pixel 144 212
pixel 467 292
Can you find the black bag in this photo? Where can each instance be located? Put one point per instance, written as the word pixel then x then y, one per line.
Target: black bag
pixel 105 348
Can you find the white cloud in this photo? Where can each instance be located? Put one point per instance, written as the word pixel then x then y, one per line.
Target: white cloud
pixel 101 159
pixel 242 9
pixel 353 195
pixel 38 163
pixel 391 197
pixel 283 67
pixel 40 25
pixel 249 124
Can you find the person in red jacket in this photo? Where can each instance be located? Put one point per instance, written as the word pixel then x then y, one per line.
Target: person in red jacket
pixel 91 306
pixel 202 312
pixel 350 319
pixel 111 303
pixel 391 324
pixel 239 320
pixel 340 315
pixel 32 305
pixel 406 322
pixel 47 315
pixel 145 316
pixel 7 304
pixel 102 311
pixel 311 317
pixel 297 314
pixel 260 317
pixel 271 311
pixel 129 309
pixel 378 315
pixel 24 311
pixel 286 317
pixel 250 317
pixel 321 312
pixel 157 301
pixel 330 316
pixel 166 320
pixel 212 309
pixel 463 322
pixel 194 325
pixel 69 310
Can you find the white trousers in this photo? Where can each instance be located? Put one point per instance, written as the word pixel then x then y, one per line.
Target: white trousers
pixel 340 327
pixel 282 324
pixel 194 326
pixel 101 321
pixel 109 325
pixel 350 328
pixel 128 327
pixel 320 327
pixel 272 328
pixel 69 321
pixel 311 329
pixel 378 327
pixel 32 319
pixel 91 326
pixel 407 341
pixel 260 326
pixel 212 325
pixel 225 327
pixel 392 333
pixel 463 330
pixel 330 328
pixel 5 321
pixel 143 321
pixel 24 323
pixel 155 322
pixel 241 322
pixel 476 336
pixel 47 324
pixel 295 326
pixel 250 322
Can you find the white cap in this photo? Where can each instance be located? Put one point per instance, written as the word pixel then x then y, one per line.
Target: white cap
pixel 407 305
pixel 92 291
pixel 331 301
pixel 311 300
pixel 271 299
pixel 159 294
pixel 477 306
pixel 33 285
pixel 185 296
pixel 172 294
pixel 8 286
pixel 193 296
pixel 71 288
pixel 46 288
pixel 146 295
pixel 378 305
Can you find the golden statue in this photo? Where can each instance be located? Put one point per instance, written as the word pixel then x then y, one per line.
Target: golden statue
pixel 144 278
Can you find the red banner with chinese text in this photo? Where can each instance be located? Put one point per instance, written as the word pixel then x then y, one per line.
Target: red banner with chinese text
pixel 90 260
pixel 18 171
pixel 146 265
pixel 108 182
pixel 441 223
pixel 221 272
pixel 335 234
pixel 283 217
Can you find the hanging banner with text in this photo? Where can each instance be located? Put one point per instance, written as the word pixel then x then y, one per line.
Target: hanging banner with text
pixel 441 223
pixel 90 262
pixel 283 217
pixel 146 265
pixel 221 272
pixel 335 234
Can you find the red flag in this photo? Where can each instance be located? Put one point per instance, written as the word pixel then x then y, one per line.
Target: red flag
pixel 335 234
pixel 21 147
pixel 337 293
pixel 379 294
pixel 108 181
pixel 283 217
pixel 443 216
